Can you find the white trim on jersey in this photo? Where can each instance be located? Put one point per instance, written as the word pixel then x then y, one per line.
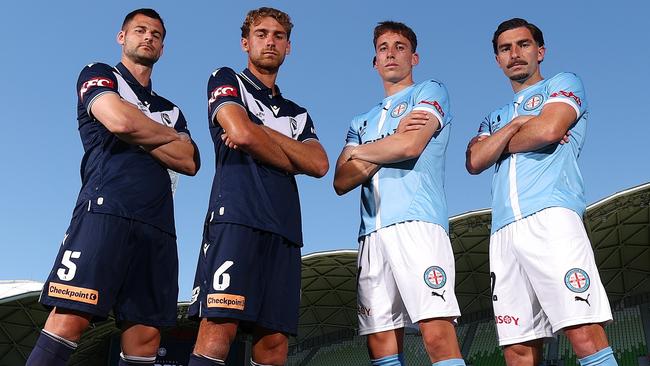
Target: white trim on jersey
pixel 90 104
pixel 565 101
pixel 433 111
pixel 375 178
pixel 512 172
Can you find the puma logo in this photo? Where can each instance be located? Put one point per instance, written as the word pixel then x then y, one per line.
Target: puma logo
pixel 578 298
pixel 433 293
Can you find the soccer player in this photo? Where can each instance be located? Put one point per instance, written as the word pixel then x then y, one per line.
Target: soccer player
pixel 396 152
pixel 544 277
pixel 249 265
pixel 119 251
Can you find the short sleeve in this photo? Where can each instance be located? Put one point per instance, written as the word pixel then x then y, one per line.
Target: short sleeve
pixel 181 124
pixel 309 131
pixel 567 88
pixel 223 88
pixel 484 128
pixel 353 137
pixel 433 97
pixel 95 80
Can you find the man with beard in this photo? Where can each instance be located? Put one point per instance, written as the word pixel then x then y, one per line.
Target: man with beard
pixel 248 270
pixel 119 252
pixel 544 276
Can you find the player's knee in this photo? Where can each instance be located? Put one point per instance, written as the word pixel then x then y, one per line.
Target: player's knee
pixel 586 339
pixel 67 325
pixel 271 349
pixel 140 340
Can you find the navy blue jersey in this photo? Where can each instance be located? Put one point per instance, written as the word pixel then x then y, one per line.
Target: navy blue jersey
pixel 119 178
pixel 245 191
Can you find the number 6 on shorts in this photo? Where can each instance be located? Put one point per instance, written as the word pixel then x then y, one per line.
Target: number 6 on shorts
pixel 221 279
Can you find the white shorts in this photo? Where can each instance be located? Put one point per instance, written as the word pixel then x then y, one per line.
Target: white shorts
pixel 406 274
pixel 544 277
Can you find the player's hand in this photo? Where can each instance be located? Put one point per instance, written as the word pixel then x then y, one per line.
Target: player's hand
pixel 413 121
pixel 565 139
pixel 228 142
pixel 184 137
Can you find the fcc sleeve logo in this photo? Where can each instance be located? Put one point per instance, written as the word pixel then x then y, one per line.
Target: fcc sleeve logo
pixel 435 105
pixel 568 94
pixel 95 82
pixel 222 91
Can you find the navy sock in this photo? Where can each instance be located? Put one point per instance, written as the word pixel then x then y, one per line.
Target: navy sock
pixel 200 360
pixel 50 350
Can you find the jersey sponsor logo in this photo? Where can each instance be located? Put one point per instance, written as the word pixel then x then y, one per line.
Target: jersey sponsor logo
pixel 222 91
pixel 506 319
pixel 80 294
pixel 435 105
pixel 398 110
pixel 577 280
pixel 363 311
pixel 93 83
pixel 568 95
pixel 435 277
pixel 533 102
pixel 227 301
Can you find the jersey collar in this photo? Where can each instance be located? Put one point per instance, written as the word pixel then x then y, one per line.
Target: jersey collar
pixel 126 74
pixel 252 79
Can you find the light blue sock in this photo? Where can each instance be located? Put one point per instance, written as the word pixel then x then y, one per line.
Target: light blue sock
pixel 450 362
pixel 604 357
pixel 392 360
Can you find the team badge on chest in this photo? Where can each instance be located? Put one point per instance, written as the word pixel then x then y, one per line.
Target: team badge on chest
pixel 398 110
pixel 533 102
pixel 435 277
pixel 577 280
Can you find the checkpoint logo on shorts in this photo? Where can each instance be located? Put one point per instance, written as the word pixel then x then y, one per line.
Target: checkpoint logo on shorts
pixel 73 293
pixel 226 301
pixel 435 277
pixel 398 110
pixel 533 102
pixel 577 280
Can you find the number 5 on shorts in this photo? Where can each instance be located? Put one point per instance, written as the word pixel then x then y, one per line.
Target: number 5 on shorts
pixel 66 274
pixel 221 279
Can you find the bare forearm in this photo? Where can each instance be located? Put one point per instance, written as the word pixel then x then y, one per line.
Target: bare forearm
pixel 307 157
pixel 262 148
pixel 353 173
pixel 532 136
pixel 180 156
pixel 483 152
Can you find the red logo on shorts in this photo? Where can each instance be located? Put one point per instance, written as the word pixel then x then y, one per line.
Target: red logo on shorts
pixel 506 319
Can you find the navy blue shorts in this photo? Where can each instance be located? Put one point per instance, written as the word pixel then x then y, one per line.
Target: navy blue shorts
pixel 250 275
pixel 109 263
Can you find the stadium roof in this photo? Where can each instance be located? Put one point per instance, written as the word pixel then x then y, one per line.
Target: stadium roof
pixel 619 227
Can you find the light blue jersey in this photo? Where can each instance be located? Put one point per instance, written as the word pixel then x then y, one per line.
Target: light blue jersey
pixel 525 183
pixel 411 189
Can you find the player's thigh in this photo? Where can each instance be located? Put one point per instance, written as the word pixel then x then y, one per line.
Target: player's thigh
pixel 280 278
pixel 90 266
pixel 560 262
pixel 150 291
pixel 422 262
pixel 380 306
pixel 517 312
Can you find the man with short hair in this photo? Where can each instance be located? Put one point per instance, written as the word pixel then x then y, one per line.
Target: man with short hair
pixel 249 265
pixel 396 152
pixel 544 276
pixel 119 252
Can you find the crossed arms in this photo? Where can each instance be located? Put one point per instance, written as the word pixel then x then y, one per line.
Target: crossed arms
pixel 357 164
pixel 269 146
pixel 522 134
pixel 173 150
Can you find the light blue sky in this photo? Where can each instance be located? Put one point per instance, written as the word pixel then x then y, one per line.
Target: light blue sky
pixel 45 44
